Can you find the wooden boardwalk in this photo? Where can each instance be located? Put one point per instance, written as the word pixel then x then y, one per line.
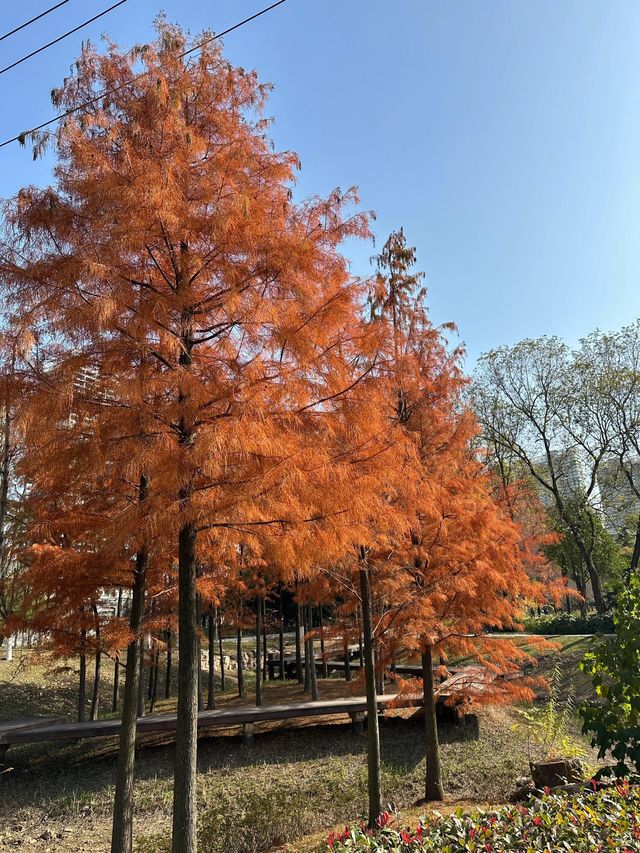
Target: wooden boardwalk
pixel 467 680
pixel 46 729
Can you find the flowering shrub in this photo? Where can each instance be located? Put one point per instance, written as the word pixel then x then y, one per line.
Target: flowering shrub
pixel 598 821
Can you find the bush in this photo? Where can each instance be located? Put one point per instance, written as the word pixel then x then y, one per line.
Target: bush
pixel 606 821
pixel 569 623
pixel 613 718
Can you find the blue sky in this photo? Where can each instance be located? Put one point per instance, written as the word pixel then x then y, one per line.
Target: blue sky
pixel 503 135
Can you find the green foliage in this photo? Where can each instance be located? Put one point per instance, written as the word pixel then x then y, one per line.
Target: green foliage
pixel 613 719
pixel 547 727
pixel 582 522
pixel 570 623
pixel 605 820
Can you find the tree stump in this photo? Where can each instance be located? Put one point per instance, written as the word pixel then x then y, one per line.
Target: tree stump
pixel 560 771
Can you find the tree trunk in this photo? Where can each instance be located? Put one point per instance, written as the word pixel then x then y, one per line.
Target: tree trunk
pixel 240 665
pixel 265 665
pixel 281 637
pixel 122 835
pixel 219 626
pixel 347 659
pixel 116 666
pixel 307 653
pixel 433 779
pixel 635 557
pixel 184 789
pixel 141 679
pixel 95 696
pixel 258 663
pixel 82 686
pixel 379 672
pixel 323 655
pixel 198 640
pixel 313 675
pixel 211 696
pixel 155 672
pixel 374 781
pixel 596 585
pixel 167 677
pixel 299 673
pixel 152 658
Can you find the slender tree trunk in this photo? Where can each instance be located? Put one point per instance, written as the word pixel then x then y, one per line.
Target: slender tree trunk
pixel 307 653
pixel 122 835
pixel 95 696
pixel 156 673
pixel 281 637
pixel 323 655
pixel 379 672
pixel 596 585
pixel 347 659
pixel 594 576
pixel 299 673
pixel 265 664
pixel 240 665
pixel 373 734
pixel 82 686
pixel 199 626
pixel 258 641
pixel 116 666
pixel 151 663
pixel 4 471
pixel 313 675
pixel 635 557
pixel 581 587
pixel 141 708
pixel 433 778
pixel 184 791
pixel 211 696
pixel 167 676
pixel 219 626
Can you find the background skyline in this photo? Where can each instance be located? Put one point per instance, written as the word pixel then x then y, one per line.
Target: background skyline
pixel 502 137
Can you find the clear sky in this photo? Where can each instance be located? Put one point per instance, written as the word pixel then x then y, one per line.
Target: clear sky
pixel 503 135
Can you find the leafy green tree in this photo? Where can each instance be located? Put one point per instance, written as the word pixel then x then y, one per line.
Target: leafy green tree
pixel 607 555
pixel 613 719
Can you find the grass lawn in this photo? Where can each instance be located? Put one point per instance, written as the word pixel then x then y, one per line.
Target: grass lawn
pixel 293 783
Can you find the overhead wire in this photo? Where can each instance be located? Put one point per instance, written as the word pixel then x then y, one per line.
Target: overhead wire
pixel 33 20
pixel 63 36
pixel 20 137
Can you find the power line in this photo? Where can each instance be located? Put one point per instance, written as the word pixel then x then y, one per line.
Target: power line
pixel 33 20
pixel 63 36
pixel 91 101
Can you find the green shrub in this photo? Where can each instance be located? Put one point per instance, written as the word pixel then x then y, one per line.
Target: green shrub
pixel 569 623
pixel 613 719
pixel 606 821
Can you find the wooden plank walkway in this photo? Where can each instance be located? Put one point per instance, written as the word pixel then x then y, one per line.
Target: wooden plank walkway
pixel 45 730
pixel 466 680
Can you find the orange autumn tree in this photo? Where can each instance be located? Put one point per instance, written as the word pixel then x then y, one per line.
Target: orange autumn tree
pixel 461 570
pixel 170 247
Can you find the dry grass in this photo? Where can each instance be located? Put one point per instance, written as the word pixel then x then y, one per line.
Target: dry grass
pixel 295 780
